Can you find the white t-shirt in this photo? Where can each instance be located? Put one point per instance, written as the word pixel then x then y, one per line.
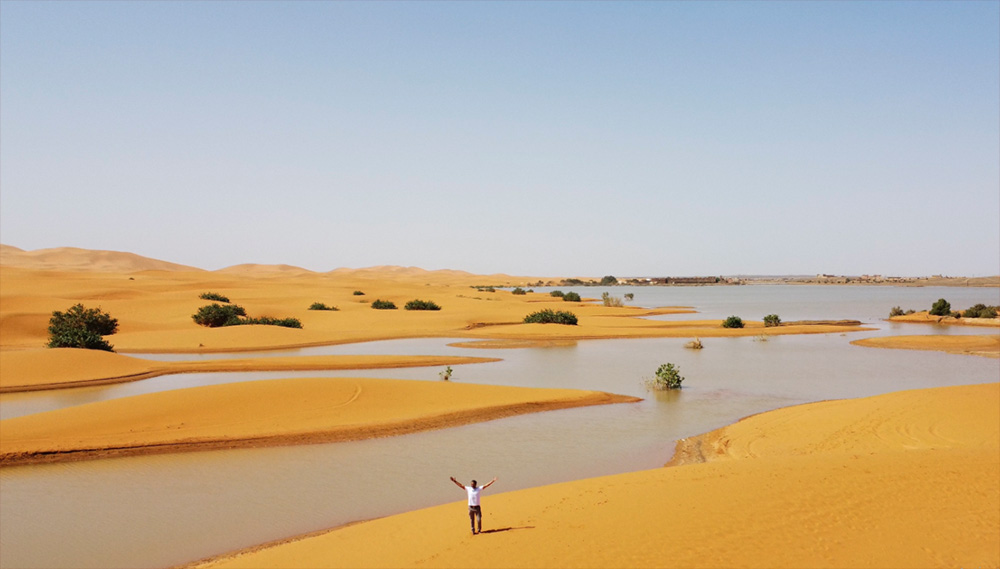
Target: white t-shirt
pixel 473 494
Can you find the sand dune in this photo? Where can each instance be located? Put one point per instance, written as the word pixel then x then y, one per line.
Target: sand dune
pixel 901 480
pixel 74 259
pixel 254 269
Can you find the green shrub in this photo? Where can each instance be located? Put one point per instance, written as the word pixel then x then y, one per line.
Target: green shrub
pixel 213 296
pixel 81 327
pixel 771 320
pixel 896 311
pixel 421 305
pixel 733 322
pixel 981 311
pixel 549 316
pixel 268 321
pixel 571 297
pixel 519 291
pixel 609 281
pixel 668 376
pixel 380 304
pixel 629 296
pixel 358 293
pixel 557 293
pixel 215 315
pixel 941 308
pixel 446 374
pixel 321 306
pixel 609 300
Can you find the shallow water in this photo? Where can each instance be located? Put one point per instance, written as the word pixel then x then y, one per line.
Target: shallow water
pixel 161 510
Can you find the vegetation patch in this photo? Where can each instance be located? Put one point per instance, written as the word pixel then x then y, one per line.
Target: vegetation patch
pixel 981 311
pixel 321 306
pixel 358 293
pixel 668 376
pixel 771 320
pixel 941 308
pixel 380 304
pixel 81 327
pixel 549 316
pixel 557 293
pixel 609 300
pixel 733 322
pixel 417 304
pixel 218 315
pixel 571 297
pixel 519 291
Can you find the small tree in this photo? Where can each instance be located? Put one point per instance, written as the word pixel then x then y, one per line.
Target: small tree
pixel 772 320
pixel 609 281
pixel 81 327
pixel 571 297
pixel 941 308
pixel 733 322
pixel 896 311
pixel 668 376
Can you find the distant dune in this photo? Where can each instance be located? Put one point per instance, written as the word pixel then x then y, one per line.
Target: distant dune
pixel 255 269
pixel 74 259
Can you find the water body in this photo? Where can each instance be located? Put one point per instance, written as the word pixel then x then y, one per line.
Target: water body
pixel 163 510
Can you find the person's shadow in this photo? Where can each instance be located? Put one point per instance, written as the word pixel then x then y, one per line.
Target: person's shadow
pixel 498 530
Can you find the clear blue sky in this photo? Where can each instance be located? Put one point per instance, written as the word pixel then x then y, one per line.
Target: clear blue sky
pixel 533 138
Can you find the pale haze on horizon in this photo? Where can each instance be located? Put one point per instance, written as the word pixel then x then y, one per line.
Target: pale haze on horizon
pixel 548 138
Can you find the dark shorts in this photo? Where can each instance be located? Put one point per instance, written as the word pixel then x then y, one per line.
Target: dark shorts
pixel 475 511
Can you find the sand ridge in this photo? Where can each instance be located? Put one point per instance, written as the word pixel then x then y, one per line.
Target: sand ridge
pixel 920 490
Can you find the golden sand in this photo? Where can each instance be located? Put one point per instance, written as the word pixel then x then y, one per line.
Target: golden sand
pixel 925 317
pixel 907 479
pixel 987 346
pixel 270 412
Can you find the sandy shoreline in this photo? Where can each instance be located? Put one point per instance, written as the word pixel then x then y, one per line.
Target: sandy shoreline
pixel 984 346
pixel 831 482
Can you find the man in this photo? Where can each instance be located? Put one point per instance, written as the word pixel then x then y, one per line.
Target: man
pixel 475 512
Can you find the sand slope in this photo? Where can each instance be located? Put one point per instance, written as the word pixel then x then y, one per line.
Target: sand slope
pixel 270 412
pixel 906 479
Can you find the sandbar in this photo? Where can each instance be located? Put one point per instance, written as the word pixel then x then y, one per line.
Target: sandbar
pixel 60 368
pixel 269 412
pixel 906 479
pixel 925 317
pixel 978 345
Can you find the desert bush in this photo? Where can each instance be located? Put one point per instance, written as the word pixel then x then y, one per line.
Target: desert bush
pixel 629 296
pixel 941 308
pixel 421 305
pixel 215 315
pixel 609 281
pixel 895 311
pixel 910 311
pixel 446 374
pixel 380 304
pixel 980 311
pixel 213 296
pixel 321 306
pixel 733 322
pixel 557 294
pixel 81 327
pixel 268 321
pixel 571 297
pixel 609 300
pixel 771 320
pixel 519 291
pixel 668 376
pixel 358 293
pixel 549 316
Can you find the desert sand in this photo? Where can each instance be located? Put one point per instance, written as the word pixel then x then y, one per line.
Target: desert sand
pixel 906 479
pixel 903 480
pixel 978 345
pixel 925 317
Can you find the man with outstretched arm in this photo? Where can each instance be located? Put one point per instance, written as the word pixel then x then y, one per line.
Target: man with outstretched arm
pixel 475 512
